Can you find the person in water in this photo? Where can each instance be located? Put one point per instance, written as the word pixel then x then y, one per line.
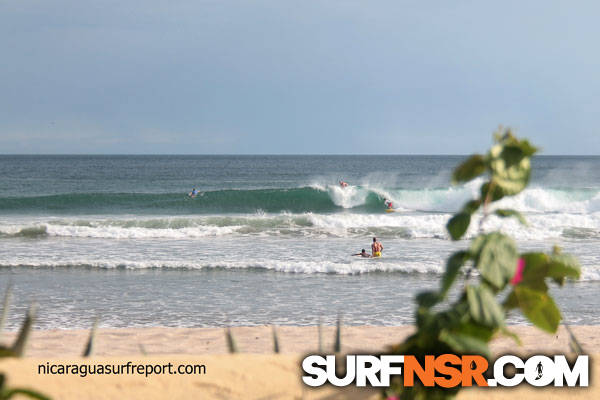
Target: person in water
pixel 343 184
pixel 376 248
pixel 363 253
pixel 388 204
pixel 193 193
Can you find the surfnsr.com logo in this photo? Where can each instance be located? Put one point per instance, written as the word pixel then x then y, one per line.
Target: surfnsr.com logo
pixel 447 370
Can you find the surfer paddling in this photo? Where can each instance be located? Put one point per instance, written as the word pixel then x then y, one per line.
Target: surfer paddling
pixel 193 193
pixel 376 248
pixel 363 253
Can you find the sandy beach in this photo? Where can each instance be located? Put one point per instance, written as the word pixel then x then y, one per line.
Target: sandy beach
pixel 255 373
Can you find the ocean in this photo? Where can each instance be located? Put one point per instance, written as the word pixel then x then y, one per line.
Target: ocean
pixel 268 239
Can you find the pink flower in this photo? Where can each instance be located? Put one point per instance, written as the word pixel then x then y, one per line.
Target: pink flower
pixel 519 272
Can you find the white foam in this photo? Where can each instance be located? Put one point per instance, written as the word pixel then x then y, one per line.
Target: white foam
pixel 347 224
pixel 356 266
pixel 451 199
pixel 347 197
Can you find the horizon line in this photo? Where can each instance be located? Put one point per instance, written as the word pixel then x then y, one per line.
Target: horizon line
pixel 278 154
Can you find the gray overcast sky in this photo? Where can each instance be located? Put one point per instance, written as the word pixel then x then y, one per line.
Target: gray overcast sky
pixel 304 76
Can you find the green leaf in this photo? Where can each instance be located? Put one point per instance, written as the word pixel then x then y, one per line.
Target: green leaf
pixel 424 318
pixel 453 266
pixel 538 266
pixel 473 329
pixel 511 301
pixel 476 245
pixel 527 148
pixel 534 263
pixel 496 259
pixel 536 271
pixel 511 154
pixel 564 266
pixel 504 213
pixel 538 307
pixel 464 344
pixel 458 225
pixel 453 317
pixel 471 206
pixel 508 139
pixel 483 306
pixel 495 194
pixel 471 168
pixel 428 298
pixel 510 170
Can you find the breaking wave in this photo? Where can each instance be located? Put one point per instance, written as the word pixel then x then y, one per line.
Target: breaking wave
pixel 316 198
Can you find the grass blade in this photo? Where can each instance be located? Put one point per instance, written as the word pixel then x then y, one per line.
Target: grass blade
pixel 574 344
pixel 320 335
pixel 21 343
pixel 5 307
pixel 275 341
pixel 231 344
pixel 142 349
pixel 338 336
pixel 89 348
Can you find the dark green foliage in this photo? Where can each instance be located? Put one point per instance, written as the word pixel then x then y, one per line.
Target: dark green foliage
pixel 470 169
pixel 511 213
pixel 538 307
pixel 483 307
pixel 453 266
pixel 495 256
pixel 458 225
pixel 467 325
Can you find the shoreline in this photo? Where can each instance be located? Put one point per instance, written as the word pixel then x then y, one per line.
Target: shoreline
pixel 259 339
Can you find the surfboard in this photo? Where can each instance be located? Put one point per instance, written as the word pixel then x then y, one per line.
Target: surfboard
pixel 390 210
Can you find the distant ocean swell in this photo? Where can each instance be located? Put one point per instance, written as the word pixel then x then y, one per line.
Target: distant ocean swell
pixel 315 199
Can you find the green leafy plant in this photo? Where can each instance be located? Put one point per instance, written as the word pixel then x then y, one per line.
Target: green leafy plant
pixel 496 277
